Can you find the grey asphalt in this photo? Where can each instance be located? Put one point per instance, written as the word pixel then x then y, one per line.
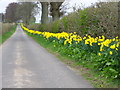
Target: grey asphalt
pixel 25 64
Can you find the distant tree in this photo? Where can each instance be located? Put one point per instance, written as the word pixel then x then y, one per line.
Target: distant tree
pixel 10 15
pixel 32 20
pixel 1 17
pixel 26 11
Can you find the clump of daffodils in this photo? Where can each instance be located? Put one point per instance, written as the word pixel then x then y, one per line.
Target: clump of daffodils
pixel 69 38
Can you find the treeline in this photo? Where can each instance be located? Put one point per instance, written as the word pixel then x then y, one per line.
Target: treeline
pixel 103 18
pixel 26 11
pixel 20 12
pixel 99 19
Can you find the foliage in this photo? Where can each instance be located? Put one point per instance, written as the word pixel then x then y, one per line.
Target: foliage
pixel 97 20
pixel 33 26
pixel 65 22
pixel 55 26
pixel 99 53
pixel 10 15
pixel 26 11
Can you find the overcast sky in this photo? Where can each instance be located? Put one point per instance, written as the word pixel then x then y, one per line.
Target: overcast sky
pixel 71 3
pixel 4 4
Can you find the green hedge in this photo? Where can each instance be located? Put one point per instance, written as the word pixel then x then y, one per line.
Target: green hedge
pixel 99 20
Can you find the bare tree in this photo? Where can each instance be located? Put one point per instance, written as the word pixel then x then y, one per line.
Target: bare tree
pixel 10 12
pixel 26 11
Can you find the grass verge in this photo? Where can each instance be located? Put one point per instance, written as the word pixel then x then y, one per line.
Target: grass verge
pixel 6 35
pixel 93 77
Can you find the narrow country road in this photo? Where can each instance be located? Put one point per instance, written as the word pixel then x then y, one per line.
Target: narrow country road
pixel 25 64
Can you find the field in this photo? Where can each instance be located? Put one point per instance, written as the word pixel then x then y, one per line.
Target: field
pixel 6 30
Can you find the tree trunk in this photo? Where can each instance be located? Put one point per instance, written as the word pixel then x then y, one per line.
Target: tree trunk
pixel 119 15
pixel 119 18
pixel 44 17
pixel 55 11
pixel 56 16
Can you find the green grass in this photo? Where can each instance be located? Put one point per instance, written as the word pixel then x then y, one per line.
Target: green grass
pixel 6 35
pixel 92 76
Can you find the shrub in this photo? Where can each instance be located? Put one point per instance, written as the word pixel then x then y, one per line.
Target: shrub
pixel 100 19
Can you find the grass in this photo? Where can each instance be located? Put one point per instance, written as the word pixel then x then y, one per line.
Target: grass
pixel 93 77
pixel 7 34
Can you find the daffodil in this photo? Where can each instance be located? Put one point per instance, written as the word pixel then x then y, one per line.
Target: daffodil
pixel 99 54
pixel 100 41
pixel 111 52
pixel 113 46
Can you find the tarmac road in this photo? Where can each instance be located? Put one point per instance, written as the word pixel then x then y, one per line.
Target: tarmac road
pixel 25 64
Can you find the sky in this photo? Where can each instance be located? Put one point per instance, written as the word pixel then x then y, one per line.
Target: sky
pixel 71 3
pixel 4 3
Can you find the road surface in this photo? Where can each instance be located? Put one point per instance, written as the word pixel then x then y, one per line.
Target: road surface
pixel 25 64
